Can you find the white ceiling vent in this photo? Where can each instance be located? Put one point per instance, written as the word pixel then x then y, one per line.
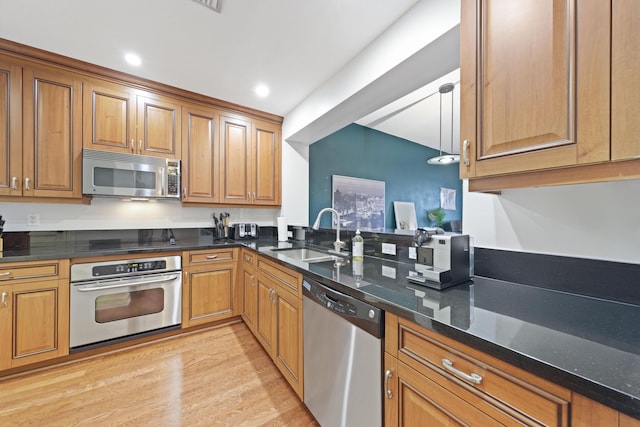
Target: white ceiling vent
pixel 211 4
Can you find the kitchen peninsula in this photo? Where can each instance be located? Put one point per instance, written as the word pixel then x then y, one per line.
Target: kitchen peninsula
pixel 525 326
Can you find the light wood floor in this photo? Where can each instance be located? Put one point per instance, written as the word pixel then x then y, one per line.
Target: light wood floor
pixel 213 377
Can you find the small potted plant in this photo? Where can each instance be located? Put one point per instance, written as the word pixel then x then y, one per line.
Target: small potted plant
pixel 436 216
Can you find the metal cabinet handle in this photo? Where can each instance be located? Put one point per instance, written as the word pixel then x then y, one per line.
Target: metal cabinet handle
pixel 254 196
pixel 474 378
pixel 184 192
pixel 212 256
pixel 140 146
pixel 14 183
pixel 465 152
pixel 7 273
pixel 387 376
pixel 4 299
pixel 133 145
pixel 26 184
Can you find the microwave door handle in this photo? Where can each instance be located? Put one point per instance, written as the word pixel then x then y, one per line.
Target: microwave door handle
pixel 98 286
pixel 163 183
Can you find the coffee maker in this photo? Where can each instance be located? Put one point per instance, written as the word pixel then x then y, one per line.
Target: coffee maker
pixel 442 260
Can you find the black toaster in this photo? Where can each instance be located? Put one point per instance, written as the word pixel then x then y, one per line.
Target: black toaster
pixel 245 231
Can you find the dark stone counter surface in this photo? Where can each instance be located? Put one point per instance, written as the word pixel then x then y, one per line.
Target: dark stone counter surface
pixel 588 345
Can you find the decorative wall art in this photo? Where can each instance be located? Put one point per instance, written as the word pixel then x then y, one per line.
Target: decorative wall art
pixel 360 202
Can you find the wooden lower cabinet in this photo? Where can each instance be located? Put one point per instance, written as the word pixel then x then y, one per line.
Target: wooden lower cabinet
pixel 34 312
pixel 249 290
pixel 279 319
pixel 587 413
pixel 433 380
pixel 209 290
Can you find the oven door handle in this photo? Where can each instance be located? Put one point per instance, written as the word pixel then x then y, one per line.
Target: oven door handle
pixel 96 287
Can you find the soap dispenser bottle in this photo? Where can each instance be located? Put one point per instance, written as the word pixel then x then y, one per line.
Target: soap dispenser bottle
pixel 357 249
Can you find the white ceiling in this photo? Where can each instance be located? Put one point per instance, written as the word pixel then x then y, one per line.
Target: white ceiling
pixel 293 46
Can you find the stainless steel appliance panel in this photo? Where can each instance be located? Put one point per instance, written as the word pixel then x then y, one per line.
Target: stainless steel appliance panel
pixel 116 299
pixel 129 175
pixel 342 362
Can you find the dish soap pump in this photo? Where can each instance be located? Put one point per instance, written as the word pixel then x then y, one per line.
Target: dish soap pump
pixel 357 250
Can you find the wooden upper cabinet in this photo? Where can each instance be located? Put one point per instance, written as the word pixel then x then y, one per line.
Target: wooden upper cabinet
pixel 10 128
pixel 535 86
pixel 267 147
pixel 251 162
pixel 158 126
pixel 625 80
pixel 123 119
pixel 200 153
pixel 52 133
pixel 109 117
pixel 236 159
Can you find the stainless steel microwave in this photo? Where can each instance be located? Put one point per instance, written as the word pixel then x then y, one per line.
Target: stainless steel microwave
pixel 129 175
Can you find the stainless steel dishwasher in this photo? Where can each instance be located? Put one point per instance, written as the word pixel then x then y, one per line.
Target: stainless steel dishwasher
pixel 342 357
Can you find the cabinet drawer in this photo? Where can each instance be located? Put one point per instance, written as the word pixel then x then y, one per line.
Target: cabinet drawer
pixel 519 394
pixel 30 271
pixel 286 278
pixel 248 257
pixel 212 255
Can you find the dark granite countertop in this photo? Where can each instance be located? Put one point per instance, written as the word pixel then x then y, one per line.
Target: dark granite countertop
pixel 588 345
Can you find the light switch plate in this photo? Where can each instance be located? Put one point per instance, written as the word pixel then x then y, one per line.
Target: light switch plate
pixel 389 248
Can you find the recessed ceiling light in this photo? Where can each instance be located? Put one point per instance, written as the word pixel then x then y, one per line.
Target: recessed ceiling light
pixel 262 90
pixel 133 59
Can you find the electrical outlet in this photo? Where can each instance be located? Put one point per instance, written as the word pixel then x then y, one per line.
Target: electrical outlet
pixel 33 219
pixel 412 253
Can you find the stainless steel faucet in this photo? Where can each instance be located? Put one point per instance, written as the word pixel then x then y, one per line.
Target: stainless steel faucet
pixel 337 244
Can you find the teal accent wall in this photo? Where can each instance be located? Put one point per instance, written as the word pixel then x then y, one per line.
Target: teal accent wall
pixel 361 152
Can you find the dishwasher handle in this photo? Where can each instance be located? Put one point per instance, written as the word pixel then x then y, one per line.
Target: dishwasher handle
pixel 361 314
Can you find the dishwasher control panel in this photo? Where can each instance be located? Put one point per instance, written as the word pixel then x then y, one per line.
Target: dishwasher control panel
pixel 360 313
pixel 338 306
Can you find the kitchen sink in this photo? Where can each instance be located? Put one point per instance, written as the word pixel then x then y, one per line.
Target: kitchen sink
pixel 306 254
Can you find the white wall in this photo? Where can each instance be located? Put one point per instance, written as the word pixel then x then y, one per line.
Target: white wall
pixel 106 213
pixel 596 221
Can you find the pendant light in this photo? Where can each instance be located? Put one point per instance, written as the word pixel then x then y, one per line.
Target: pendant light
pixel 445 159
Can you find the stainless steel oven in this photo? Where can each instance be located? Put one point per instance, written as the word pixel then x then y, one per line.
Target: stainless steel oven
pixel 116 299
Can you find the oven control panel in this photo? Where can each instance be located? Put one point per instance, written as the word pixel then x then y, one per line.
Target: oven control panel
pixel 129 267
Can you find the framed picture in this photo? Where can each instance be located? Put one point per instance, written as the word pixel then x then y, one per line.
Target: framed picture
pixel 360 202
pixel 405 213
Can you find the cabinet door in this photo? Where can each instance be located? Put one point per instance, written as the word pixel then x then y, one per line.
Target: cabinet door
pixel 266 320
pixel 235 157
pixel 6 308
pixel 288 351
pixel 266 164
pixel 625 80
pixel 10 128
pixel 158 126
pixel 109 117
pixel 200 172
pixel 250 300
pixel 39 322
pixel 208 294
pixel 52 130
pixel 520 87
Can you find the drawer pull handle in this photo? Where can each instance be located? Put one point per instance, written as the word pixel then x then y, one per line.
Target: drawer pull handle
pixel 474 378
pixel 387 377
pixel 3 275
pixel 14 183
pixel 212 256
pixel 4 299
